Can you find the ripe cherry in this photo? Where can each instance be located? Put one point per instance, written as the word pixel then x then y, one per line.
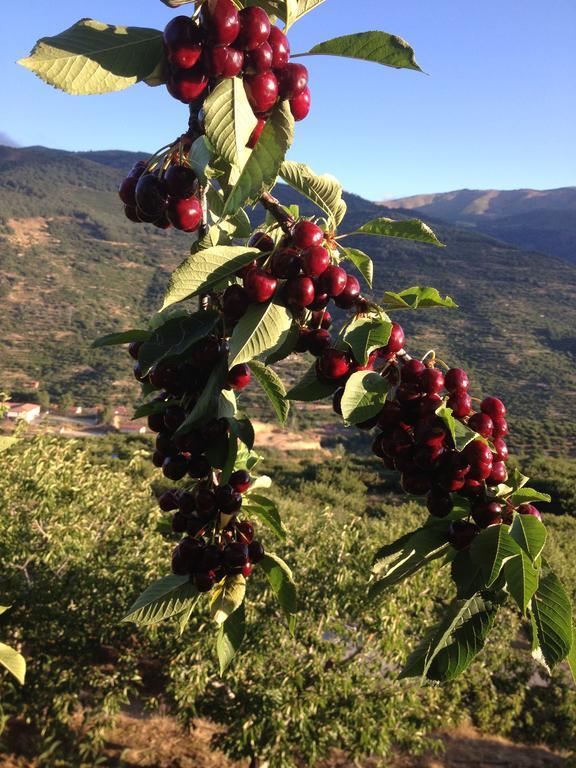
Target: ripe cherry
pixel 416 483
pixel 134 348
pixel 299 292
pixel 187 85
pixel 315 260
pixel 306 234
pixel 222 61
pixel 205 502
pixel 262 241
pixel 462 533
pixel 259 60
pixel 456 379
pixel 183 42
pixel 254 28
pixel 180 181
pixel 300 105
pixel 286 262
pixel 204 582
pixel 529 509
pixel 432 381
pixel 208 351
pixel 333 364
pixel 347 298
pixel 489 513
pixel 131 213
pixel 500 428
pixel 174 416
pixel 262 91
pixel 185 213
pixel 175 467
pixel 227 499
pixel 501 449
pixel 168 501
pixel 332 281
pixel 481 423
pixel 498 474
pixel 240 480
pixel 245 531
pixel 292 79
pixel 239 376
pixel 461 403
pixel 395 342
pixel 222 22
pixel 259 285
pixel 255 552
pixel 493 407
pixel 412 371
pixel 156 422
pixel 235 554
pixel 280 48
pixel 150 195
pixel 477 452
pixel 235 302
pixel 317 341
pixel 127 191
pixel 321 319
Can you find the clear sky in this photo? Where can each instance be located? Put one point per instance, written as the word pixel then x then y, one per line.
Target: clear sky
pixel 497 108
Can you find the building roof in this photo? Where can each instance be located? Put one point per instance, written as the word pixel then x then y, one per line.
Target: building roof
pixel 22 407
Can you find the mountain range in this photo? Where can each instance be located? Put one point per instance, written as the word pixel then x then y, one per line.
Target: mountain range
pixel 72 267
pixel 542 220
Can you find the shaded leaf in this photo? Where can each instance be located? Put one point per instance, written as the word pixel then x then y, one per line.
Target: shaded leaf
pixel 460 433
pixel 207 405
pixel 122 337
pixel 263 328
pixel 552 614
pixel 176 337
pixel 530 533
pixel 230 637
pixel 266 511
pixel 226 597
pixel 310 388
pixel 287 347
pixel 522 579
pixel 281 580
pixel 491 549
pixel 274 388
pixel 161 600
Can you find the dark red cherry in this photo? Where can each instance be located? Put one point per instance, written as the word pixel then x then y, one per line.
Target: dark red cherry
pixel 180 181
pixel 262 241
pixel 168 501
pixel 235 302
pixel 254 28
pixel 131 213
pixel 500 427
pixel 501 449
pixel 306 234
pixel 395 342
pixel 222 61
pixel 416 483
pixel 239 376
pixel 439 503
pixel 255 552
pixel 259 285
pixel 156 422
pixel 481 423
pixel 256 133
pixel 321 300
pixel 280 48
pixel 529 509
pixel 412 371
pixel 205 503
pixel 259 60
pixel 262 91
pixel 127 191
pixel 174 416
pixel 221 22
pixel 240 480
pixel 204 582
pixel 198 466
pixel 333 364
pixel 175 467
pixel 321 319
pixel 286 262
pixel 456 379
pixel 347 298
pixel 432 381
pixel 150 195
pixel 462 533
pixel 183 42
pixel 493 407
pixel 498 474
pixel 300 105
pixel 332 281
pixel 315 260
pixel 299 292
pixel 460 402
pixel 477 452
pixel 134 348
pixel 292 79
pixel 185 213
pixel 208 351
pixel 488 513
pixel 318 341
pixel 187 85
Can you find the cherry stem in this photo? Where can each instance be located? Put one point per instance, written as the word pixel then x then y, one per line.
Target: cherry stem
pixel 272 205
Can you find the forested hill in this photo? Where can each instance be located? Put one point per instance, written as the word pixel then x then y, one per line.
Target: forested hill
pixel 72 268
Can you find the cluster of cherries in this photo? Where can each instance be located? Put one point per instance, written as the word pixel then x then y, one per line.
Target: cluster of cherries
pixel 210 550
pixel 229 43
pixel 310 280
pixel 164 197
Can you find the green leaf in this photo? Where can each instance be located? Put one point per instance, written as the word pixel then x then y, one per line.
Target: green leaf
pixel 460 433
pixel 274 388
pixel 14 662
pixel 417 298
pixel 261 169
pixel 227 407
pixel 521 579
pixel 202 271
pixel 176 3
pixel 491 549
pixel 176 337
pixel 7 441
pixel 287 347
pixel 362 262
pixel 364 396
pixel 451 646
pixel 364 334
pixel 238 225
pixel 571 658
pixel 530 533
pixel 230 637
pixel 154 406
pixel 229 122
pixel 407 229
pixel 298 8
pixel 226 597
pixel 466 575
pixel 408 554
pixel 207 404
pixel 231 454
pixel 310 388
pixel 92 57
pixel 324 191
pixel 123 337
pixel 266 511
pixel 200 156
pixel 281 580
pixel 378 47
pixel 262 329
pixel 552 614
pixel 161 600
pixel 527 496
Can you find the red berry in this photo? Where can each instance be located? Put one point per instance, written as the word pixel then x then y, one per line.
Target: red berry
pixel 432 381
pixel 315 260
pixel 416 483
pixel 493 407
pixel 332 281
pixel 259 60
pixel 286 263
pixel 262 91
pixel 240 480
pixel 183 42
pixel 256 133
pixel 150 196
pixel 131 213
pixel 461 403
pixel 299 292
pixel 487 514
pixel 204 582
pixel 477 452
pixel 395 342
pixel 127 191
pixel 255 552
pixel 168 501
pixel 412 371
pixel 222 22
pixel 456 379
pixel 222 61
pixel 187 85
pixel 175 467
pixel 302 342
pixel 333 364
pixel 280 48
pixel 300 105
pixel 259 285
pixel 317 341
pixel 321 319
pixel 481 423
pixel 462 534
pixel 262 241
pixel 500 428
pixel 180 181
pixel 245 531
pixel 498 474
pixel 292 79
pixel 529 509
pixel 347 298
pixel 254 28
pixel 235 302
pixel 134 348
pixel 306 234
pixel 185 213
pixel 501 449
pixel 239 376
pixel 439 503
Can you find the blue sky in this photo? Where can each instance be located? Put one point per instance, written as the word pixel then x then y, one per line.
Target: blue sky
pixel 496 109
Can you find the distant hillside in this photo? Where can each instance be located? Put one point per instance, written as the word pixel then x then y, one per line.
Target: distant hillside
pixel 72 267
pixel 543 220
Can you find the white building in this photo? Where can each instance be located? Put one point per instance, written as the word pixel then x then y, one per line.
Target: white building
pixel 26 411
